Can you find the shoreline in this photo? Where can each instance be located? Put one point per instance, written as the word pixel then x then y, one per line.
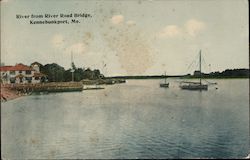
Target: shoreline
pixel 7 94
pixel 181 77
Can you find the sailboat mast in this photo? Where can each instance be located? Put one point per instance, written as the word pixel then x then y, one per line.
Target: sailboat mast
pixel 200 66
pixel 72 67
pixel 165 78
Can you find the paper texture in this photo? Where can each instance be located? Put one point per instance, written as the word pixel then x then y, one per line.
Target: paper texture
pixel 111 79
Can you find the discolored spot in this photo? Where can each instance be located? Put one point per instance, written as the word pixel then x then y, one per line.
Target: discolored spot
pixel 132 49
pixel 34 141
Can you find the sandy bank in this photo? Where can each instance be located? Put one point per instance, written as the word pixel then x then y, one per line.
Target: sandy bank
pixel 8 94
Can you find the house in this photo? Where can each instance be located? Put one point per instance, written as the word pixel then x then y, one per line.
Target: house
pixel 36 66
pixel 21 74
pixel 197 73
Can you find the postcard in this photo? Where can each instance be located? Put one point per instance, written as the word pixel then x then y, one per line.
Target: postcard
pixel 124 79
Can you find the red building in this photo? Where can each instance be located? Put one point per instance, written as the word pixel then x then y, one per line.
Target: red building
pixel 21 73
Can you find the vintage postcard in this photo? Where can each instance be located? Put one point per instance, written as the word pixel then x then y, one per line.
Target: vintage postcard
pixel 124 79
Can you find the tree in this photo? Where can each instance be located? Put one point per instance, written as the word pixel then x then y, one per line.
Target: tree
pixel 73 66
pixel 57 73
pixel 54 72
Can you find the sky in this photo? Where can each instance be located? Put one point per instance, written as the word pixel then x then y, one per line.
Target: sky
pixel 129 37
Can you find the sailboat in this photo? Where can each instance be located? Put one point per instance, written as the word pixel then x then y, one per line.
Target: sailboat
pixel 165 84
pixel 195 85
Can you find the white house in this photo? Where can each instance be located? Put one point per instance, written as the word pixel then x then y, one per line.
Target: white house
pixel 36 66
pixel 21 73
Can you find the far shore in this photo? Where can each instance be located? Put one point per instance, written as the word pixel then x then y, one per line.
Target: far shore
pixel 9 94
pixel 215 77
pixel 181 77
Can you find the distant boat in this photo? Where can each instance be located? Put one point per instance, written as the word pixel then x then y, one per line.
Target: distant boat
pixel 195 85
pixel 165 84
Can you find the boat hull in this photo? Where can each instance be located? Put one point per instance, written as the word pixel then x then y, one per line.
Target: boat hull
pixel 165 85
pixel 194 87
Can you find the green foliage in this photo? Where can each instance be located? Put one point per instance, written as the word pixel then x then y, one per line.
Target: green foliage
pixel 67 75
pixel 73 65
pixel 56 73
pixel 89 74
pixel 78 74
pixel 228 73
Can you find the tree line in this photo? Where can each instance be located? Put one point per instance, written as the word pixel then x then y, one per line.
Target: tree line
pixel 228 73
pixel 56 73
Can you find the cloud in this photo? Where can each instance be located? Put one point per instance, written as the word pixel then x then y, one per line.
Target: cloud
pixel 78 48
pixel 170 31
pixel 57 40
pixel 117 19
pixel 191 28
pixel 194 27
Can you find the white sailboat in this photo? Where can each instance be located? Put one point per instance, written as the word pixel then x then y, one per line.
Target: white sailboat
pixel 195 85
pixel 165 84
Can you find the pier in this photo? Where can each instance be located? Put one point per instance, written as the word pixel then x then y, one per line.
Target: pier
pixel 47 87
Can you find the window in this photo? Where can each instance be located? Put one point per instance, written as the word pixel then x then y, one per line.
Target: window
pixel 12 72
pixel 12 80
pixel 37 78
pixel 28 72
pixel 28 79
pixel 20 71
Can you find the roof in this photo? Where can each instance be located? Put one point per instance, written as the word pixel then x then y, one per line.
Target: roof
pixel 17 67
pixel 36 63
pixel 5 68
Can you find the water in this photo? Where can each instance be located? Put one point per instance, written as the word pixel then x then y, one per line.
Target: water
pixel 133 120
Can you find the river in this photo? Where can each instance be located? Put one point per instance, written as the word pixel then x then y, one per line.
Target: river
pixel 137 119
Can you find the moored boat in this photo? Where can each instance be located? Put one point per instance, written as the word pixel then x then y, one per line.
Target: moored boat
pixel 165 84
pixel 195 85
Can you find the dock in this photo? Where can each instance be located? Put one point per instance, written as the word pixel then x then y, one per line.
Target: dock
pixel 47 87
